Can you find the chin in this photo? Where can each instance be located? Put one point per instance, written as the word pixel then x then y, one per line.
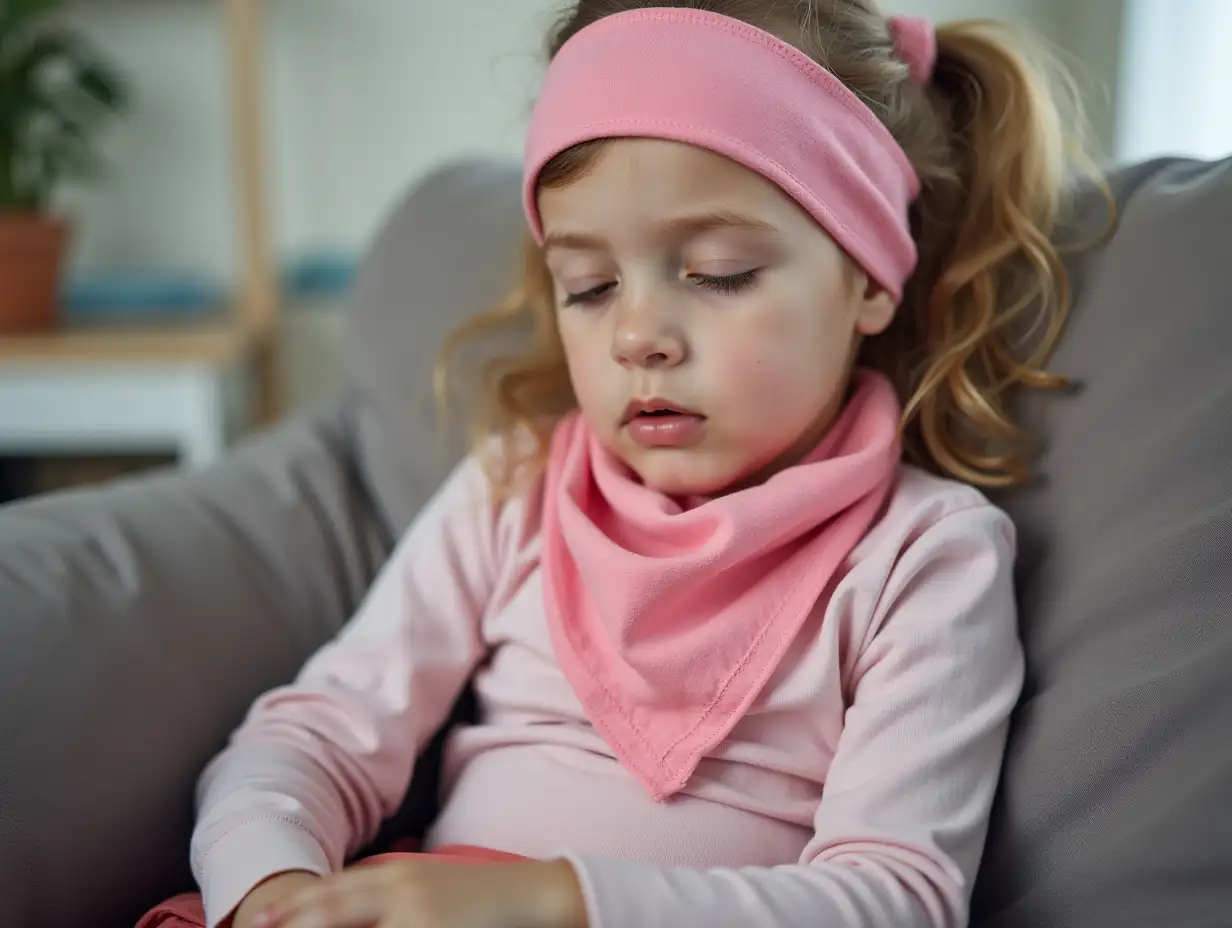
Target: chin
pixel 683 477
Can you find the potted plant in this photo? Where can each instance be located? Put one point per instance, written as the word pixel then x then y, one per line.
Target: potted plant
pixel 55 92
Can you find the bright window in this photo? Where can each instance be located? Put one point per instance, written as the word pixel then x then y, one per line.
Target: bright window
pixel 1176 79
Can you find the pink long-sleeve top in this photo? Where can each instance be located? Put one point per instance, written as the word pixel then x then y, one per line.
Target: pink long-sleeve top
pixel 855 792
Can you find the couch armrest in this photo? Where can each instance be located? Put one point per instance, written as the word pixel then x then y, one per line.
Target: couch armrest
pixel 137 623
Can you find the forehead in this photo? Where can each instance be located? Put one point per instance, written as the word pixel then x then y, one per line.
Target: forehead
pixel 635 181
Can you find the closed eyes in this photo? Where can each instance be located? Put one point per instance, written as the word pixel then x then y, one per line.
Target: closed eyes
pixel 727 284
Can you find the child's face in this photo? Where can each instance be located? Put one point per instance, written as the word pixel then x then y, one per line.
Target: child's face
pixel 747 326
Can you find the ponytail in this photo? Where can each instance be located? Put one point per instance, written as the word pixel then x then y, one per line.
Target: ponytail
pixel 989 299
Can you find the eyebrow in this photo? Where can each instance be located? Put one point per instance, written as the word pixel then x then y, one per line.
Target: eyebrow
pixel 683 227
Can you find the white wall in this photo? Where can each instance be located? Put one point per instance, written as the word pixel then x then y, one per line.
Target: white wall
pixel 363 96
pixel 1091 32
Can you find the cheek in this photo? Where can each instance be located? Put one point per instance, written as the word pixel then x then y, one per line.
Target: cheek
pixel 755 373
pixel 771 393
pixel 585 352
pixel 783 359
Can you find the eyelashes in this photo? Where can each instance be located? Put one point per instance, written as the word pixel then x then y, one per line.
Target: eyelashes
pixel 586 297
pixel 727 285
pixel 732 283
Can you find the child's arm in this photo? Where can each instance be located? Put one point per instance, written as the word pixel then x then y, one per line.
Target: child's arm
pixel 901 828
pixel 319 764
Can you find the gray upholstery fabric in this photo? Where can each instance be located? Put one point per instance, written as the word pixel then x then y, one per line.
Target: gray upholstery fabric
pixel 1116 803
pixel 138 622
pixel 449 253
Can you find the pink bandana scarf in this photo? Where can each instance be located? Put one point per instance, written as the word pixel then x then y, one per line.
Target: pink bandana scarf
pixel 668 621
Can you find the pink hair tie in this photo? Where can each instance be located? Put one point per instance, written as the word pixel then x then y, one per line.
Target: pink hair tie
pixel 915 42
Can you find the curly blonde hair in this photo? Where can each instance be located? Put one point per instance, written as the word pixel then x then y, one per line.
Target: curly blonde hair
pixel 992 136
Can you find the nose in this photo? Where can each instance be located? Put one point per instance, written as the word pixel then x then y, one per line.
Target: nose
pixel 643 338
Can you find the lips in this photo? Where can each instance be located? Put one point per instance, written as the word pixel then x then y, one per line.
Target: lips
pixel 658 423
pixel 655 407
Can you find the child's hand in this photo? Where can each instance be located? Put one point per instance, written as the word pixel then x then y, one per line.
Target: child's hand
pixel 273 891
pixel 437 894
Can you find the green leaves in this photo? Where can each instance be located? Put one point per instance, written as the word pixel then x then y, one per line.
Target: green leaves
pixel 56 91
pixel 14 14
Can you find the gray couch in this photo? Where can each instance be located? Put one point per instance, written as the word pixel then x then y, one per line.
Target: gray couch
pixel 138 621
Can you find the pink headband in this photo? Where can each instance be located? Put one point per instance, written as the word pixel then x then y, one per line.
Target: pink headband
pixel 717 83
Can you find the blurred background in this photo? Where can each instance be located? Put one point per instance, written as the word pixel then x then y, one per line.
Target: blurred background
pixel 175 270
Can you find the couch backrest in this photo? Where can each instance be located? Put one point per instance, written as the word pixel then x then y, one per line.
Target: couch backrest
pixel 448 251
pixel 1114 808
pixel 1116 802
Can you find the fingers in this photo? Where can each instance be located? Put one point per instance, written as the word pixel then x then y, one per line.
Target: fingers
pixel 351 900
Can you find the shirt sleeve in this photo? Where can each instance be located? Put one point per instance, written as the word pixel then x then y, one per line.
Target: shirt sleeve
pixel 317 765
pixel 900 829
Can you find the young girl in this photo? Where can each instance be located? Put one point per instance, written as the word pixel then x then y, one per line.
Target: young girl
pixel 738 663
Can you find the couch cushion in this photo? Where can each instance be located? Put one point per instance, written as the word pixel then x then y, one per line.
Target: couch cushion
pixel 137 624
pixel 1116 802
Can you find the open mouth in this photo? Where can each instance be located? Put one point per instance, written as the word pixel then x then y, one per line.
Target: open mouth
pixel 660 423
pixel 656 408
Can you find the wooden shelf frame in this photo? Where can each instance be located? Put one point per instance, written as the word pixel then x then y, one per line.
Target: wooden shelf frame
pixel 251 330
pixel 258 301
pixel 221 344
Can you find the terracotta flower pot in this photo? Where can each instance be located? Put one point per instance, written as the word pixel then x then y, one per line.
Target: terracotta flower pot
pixel 32 249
